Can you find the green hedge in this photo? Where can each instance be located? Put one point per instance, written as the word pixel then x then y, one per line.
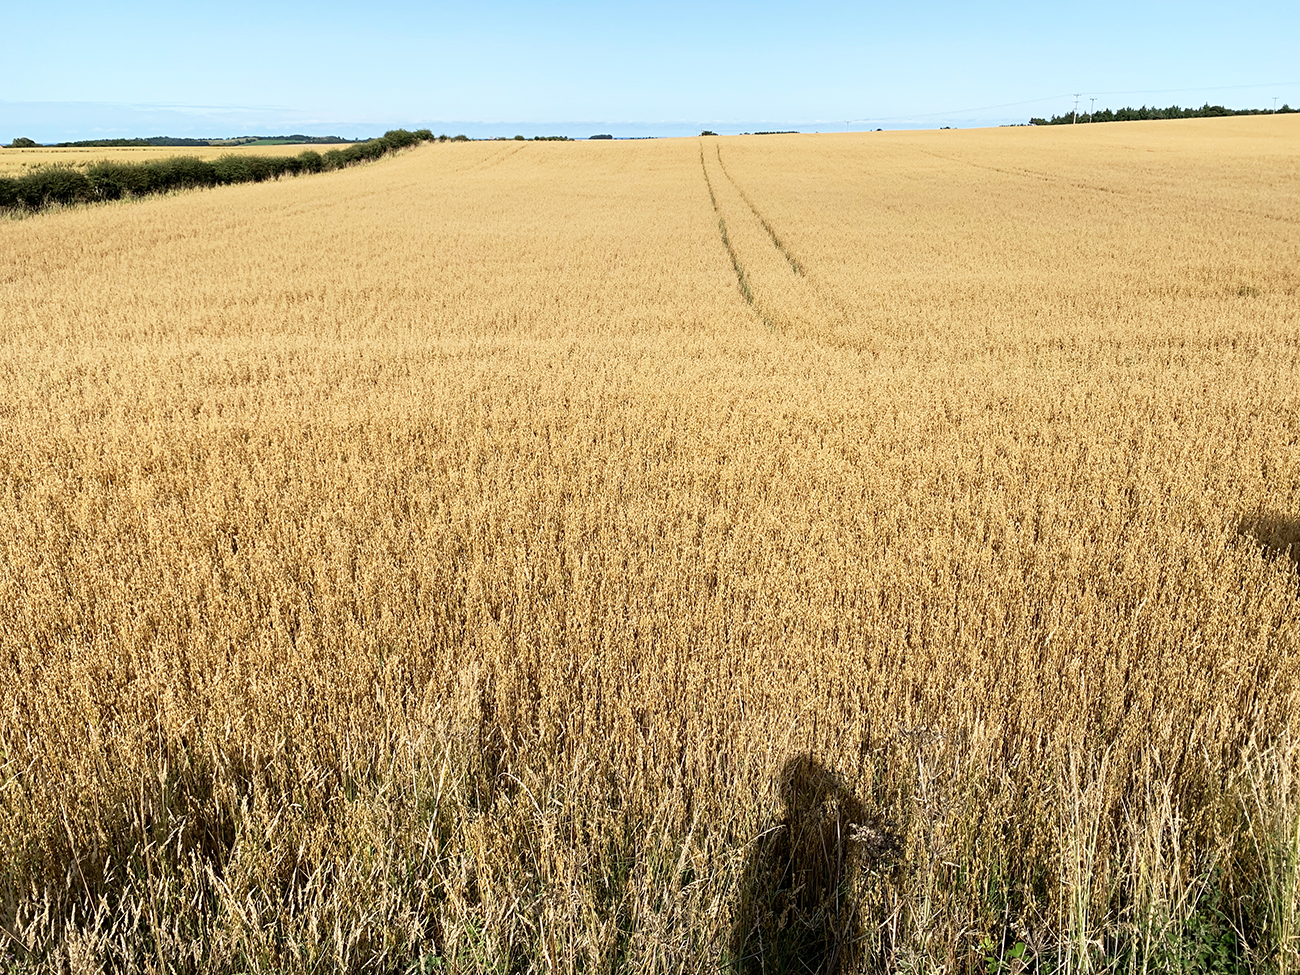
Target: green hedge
pixel 65 185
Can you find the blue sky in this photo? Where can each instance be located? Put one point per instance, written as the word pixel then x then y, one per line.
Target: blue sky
pixel 79 69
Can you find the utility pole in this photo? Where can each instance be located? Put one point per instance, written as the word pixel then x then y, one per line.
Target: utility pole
pixel 1076 110
pixel 1092 108
pixel 1275 103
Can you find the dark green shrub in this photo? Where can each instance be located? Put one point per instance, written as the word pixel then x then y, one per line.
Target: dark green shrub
pixel 399 139
pixel 182 173
pixel 113 181
pixel 334 159
pixel 246 169
pixel 460 138
pixel 53 184
pixel 21 143
pixel 424 135
pixel 156 175
pixel 279 166
pixel 262 168
pixel 232 169
pixel 310 162
pixel 8 193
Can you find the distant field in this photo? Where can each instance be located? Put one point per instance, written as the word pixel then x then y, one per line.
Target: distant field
pixel 869 552
pixel 14 161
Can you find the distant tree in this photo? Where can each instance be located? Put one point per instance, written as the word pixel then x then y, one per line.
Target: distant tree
pixel 166 140
pixel 1145 113
pixel 22 143
pixel 602 137
pixel 708 132
pixel 520 138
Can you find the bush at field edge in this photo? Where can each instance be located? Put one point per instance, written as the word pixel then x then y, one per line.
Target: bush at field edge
pixel 63 185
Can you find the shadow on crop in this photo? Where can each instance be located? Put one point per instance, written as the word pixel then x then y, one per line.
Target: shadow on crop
pixel 1276 535
pixel 798 910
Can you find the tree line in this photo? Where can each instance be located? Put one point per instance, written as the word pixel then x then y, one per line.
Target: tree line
pixel 62 184
pixel 1144 113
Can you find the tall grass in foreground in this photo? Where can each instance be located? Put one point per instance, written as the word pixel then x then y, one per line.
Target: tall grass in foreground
pixel 454 575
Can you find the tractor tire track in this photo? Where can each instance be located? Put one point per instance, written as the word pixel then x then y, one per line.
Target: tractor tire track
pixel 742 278
pixel 795 264
pixel 495 159
pixel 1022 173
pixel 820 288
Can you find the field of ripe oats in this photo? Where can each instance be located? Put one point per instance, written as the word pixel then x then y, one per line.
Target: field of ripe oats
pixel 869 552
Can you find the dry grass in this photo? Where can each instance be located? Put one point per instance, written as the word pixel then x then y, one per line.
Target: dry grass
pixel 442 566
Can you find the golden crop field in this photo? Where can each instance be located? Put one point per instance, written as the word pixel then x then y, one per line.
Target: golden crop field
pixel 15 162
pixel 870 552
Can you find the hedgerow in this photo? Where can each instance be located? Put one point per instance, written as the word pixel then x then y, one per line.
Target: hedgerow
pixel 64 185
